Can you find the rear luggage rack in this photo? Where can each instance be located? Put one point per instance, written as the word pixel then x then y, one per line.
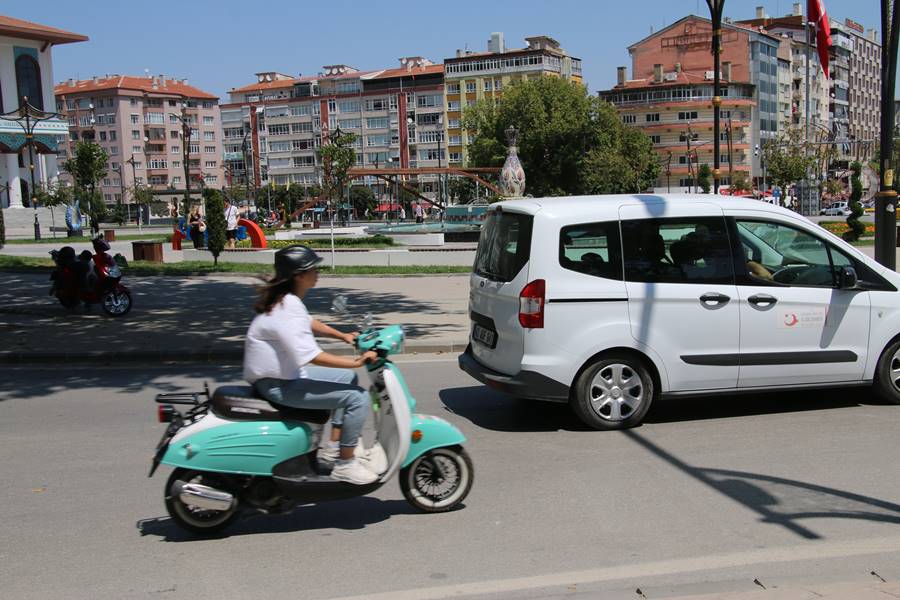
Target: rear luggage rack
pixel 187 398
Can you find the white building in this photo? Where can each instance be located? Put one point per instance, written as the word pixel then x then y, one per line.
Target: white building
pixel 26 70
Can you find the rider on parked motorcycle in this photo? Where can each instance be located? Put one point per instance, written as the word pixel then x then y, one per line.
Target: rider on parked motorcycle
pixel 285 365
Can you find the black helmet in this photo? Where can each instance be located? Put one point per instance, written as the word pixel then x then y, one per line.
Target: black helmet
pixel 294 259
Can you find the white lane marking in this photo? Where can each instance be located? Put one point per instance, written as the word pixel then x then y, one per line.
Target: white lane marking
pixel 810 551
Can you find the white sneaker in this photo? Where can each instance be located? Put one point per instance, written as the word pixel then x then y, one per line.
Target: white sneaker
pixel 374 459
pixel 352 471
pixel 327 456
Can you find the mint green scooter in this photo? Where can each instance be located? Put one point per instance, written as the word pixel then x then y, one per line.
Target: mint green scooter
pixel 233 450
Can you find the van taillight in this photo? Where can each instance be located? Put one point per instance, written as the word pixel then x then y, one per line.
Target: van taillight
pixel 531 305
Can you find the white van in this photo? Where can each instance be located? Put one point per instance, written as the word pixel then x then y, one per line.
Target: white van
pixel 607 302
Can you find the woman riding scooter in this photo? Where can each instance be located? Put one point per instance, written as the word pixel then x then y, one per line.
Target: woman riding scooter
pixel 280 347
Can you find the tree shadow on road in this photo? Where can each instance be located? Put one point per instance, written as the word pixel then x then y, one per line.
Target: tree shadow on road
pixel 352 514
pixel 778 500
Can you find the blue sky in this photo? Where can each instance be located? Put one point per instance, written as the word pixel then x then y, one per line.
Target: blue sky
pixel 220 45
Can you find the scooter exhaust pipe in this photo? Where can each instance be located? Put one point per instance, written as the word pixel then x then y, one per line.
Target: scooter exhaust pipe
pixel 202 496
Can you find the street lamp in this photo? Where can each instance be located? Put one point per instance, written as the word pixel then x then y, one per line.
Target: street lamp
pixel 245 152
pixel 886 198
pixel 440 194
pixel 185 154
pixel 134 184
pixel 27 116
pixel 715 11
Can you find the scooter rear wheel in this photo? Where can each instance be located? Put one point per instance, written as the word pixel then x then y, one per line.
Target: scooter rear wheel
pixel 116 303
pixel 439 480
pixel 192 518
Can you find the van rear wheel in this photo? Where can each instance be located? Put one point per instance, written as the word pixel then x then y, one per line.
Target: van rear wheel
pixel 615 392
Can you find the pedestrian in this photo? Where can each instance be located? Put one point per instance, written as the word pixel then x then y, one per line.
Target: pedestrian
pixel 197 228
pixel 402 213
pixel 231 223
pixel 419 213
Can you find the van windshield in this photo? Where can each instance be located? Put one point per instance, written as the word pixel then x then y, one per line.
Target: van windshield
pixel 504 245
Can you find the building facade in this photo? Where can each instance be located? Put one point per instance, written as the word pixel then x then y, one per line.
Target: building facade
pixel 670 97
pixel 26 70
pixel 139 122
pixel 864 89
pixel 275 125
pixel 471 76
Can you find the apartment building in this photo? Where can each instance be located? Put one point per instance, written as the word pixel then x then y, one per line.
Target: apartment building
pixel 670 97
pixel 138 122
pixel 276 124
pixel 471 76
pixel 847 104
pixel 26 70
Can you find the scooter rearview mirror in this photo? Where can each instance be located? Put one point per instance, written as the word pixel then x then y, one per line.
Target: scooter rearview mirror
pixel 339 304
pixel 368 319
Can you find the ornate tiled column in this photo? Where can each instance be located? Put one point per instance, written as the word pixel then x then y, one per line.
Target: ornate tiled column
pixel 512 175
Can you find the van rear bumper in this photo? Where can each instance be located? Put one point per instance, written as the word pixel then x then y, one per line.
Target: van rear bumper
pixel 524 384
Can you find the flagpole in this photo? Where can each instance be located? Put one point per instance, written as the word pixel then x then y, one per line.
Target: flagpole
pixel 804 200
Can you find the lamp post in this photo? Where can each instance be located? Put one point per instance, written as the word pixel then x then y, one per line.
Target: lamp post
pixel 185 154
pixel 715 12
pixel 886 198
pixel 440 194
pixel 245 152
pixel 27 116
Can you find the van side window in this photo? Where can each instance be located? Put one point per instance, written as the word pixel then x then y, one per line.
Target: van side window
pixel 677 250
pixel 592 249
pixel 504 245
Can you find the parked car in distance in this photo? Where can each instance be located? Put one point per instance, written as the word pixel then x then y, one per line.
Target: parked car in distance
pixel 610 302
pixel 841 209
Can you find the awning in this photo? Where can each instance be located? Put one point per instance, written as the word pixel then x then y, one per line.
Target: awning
pixel 387 207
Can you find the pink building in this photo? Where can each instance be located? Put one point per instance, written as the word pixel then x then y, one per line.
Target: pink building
pixel 141 123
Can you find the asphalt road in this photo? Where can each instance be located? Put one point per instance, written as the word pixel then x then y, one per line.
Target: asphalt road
pixel 707 496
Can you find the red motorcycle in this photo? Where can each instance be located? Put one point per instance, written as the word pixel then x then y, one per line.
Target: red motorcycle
pixel 92 279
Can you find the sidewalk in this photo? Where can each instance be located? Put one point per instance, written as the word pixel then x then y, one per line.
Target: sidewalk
pixel 203 319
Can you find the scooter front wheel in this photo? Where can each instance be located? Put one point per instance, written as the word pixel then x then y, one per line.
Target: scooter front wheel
pixel 438 480
pixel 195 518
pixel 116 303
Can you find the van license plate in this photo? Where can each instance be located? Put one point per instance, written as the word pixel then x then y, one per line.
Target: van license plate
pixel 484 336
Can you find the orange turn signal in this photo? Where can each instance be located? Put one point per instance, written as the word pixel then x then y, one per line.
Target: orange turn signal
pixel 416 435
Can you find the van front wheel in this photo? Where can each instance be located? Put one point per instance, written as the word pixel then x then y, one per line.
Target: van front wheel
pixel 887 374
pixel 615 392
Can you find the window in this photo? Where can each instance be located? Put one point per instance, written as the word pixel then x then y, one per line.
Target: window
pixel 210 179
pixel 453 123
pixel 175 149
pixel 780 254
pixel 377 104
pixel 301 127
pixel 175 180
pixel 455 157
pixel 377 140
pixel 592 249
pixel 431 154
pixel 428 119
pixel 157 163
pixel 655 139
pixel 209 121
pixel 113 149
pixel 174 135
pixel 504 245
pixel 194 148
pixel 430 101
pixel 498 84
pixel 176 164
pixel 470 87
pixel 430 137
pixel 349 106
pixel 683 250
pixel 303 144
pixel 350 123
pixel 455 140
pixel 209 149
pixel 488 85
pixel 28 80
pixel 102 136
pixel 137 149
pixel 210 164
pixel 281 129
pixel 133 101
pixel 652 117
pixel 629 119
pixel 452 88
pixel 453 105
pixel 209 136
pixel 377 123
pixel 687 115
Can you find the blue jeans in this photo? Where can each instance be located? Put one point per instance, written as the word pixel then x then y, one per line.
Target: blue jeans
pixel 324 388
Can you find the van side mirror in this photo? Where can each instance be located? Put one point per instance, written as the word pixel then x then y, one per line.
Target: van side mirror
pixel 847 278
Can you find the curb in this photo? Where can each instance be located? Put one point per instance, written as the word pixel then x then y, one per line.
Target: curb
pixel 212 356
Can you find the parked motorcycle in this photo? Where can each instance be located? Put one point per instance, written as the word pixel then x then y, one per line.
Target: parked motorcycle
pixel 233 449
pixel 91 279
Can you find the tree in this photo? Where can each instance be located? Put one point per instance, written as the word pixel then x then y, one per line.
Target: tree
pixel 362 197
pixel 215 222
pixel 789 158
pixel 569 142
pixel 53 195
pixel 740 182
pixel 857 227
pixel 88 166
pixel 462 189
pixel 703 175
pixel 337 157
pixel 833 187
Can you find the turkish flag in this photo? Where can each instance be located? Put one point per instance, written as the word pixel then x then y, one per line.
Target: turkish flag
pixel 816 11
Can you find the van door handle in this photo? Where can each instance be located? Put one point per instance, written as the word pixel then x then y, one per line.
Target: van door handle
pixel 714 298
pixel 762 299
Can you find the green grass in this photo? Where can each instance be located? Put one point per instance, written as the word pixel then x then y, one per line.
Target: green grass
pixel 142 268
pixel 65 241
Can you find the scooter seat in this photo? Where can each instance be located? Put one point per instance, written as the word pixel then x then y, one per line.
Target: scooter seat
pixel 242 403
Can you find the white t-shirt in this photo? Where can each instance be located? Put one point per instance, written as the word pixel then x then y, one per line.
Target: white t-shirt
pixel 280 343
pixel 231 217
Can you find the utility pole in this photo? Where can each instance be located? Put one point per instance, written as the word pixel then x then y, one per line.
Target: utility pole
pixel 715 11
pixel 886 198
